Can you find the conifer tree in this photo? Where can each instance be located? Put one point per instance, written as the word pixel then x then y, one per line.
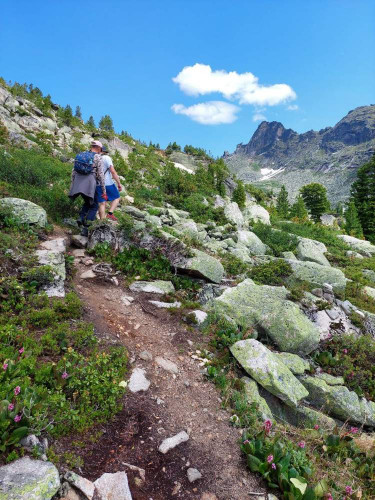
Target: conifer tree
pixel 299 210
pixel 363 193
pixel 315 198
pixel 78 113
pixel 91 123
pixel 239 195
pixel 106 123
pixel 352 223
pixel 282 204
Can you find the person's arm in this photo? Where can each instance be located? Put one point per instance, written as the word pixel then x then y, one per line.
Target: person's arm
pixel 100 174
pixel 116 177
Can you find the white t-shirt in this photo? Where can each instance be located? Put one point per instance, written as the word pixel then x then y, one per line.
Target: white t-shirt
pixel 107 163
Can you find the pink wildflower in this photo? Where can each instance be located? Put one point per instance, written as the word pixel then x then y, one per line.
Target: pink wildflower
pixel 17 418
pixel 348 490
pixel 10 406
pixel 345 351
pixel 246 441
pixel 302 444
pixel 269 458
pixel 5 366
pixel 267 425
pixel 64 375
pixel 21 351
pixel 316 427
pixel 329 497
pixel 354 430
pixel 273 466
pixel 17 390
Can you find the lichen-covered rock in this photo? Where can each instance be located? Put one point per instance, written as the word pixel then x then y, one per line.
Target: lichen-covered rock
pixel 317 275
pixel 369 291
pixel 362 246
pixel 187 227
pixel 267 308
pixel 204 266
pixel 26 211
pixel 313 251
pixel 328 220
pixel 157 286
pixel 233 213
pixel 134 212
pixel 330 379
pixel 339 402
pixel 27 479
pixel 296 365
pixel 52 253
pixel 268 371
pixel 252 242
pixel 241 252
pixel 253 396
pixel 256 213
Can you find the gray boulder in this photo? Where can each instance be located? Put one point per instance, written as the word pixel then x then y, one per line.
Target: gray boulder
pixel 328 220
pixel 233 213
pixel 203 266
pixel 253 396
pixel 317 275
pixel 362 246
pixel 296 365
pixel 267 308
pixel 187 227
pixel 113 487
pixel 27 479
pixel 256 213
pixel 26 211
pixel 252 242
pixel 260 363
pixel 313 251
pixel 52 253
pixel 157 286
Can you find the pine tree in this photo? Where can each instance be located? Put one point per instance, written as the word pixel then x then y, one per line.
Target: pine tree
pixel 315 198
pixel 352 223
pixel 67 115
pixel 239 195
pixel 78 113
pixel 106 123
pixel 282 204
pixel 299 210
pixel 91 123
pixel 363 193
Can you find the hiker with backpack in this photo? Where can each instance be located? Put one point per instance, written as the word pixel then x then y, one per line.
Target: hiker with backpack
pixel 86 175
pixel 113 195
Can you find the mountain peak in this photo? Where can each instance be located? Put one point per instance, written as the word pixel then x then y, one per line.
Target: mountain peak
pixel 265 137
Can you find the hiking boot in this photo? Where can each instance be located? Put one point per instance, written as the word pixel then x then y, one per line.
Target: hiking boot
pixel 85 231
pixel 112 217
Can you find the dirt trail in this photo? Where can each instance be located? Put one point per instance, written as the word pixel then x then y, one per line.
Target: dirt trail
pixel 174 402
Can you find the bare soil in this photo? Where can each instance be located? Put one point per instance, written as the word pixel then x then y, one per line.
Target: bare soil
pixel 185 401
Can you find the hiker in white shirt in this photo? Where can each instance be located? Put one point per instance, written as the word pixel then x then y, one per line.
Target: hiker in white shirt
pixel 113 194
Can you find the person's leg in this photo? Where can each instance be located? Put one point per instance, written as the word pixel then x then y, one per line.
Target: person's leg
pixel 93 209
pixel 113 206
pixel 102 210
pixel 85 208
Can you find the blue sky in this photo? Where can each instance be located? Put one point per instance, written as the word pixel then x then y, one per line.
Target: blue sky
pixel 119 58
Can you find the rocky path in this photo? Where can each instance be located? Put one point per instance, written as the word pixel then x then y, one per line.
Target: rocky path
pixel 178 399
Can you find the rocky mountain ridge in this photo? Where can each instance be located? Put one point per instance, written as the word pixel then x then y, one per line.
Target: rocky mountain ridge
pixel 276 155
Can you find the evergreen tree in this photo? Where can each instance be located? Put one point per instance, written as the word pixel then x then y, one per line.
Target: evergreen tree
pixel 352 223
pixel 91 123
pixel 298 209
pixel 78 113
pixel 363 193
pixel 282 204
pixel 67 115
pixel 315 198
pixel 106 123
pixel 239 195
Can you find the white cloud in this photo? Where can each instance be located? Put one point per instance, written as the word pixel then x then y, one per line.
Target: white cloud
pixel 243 87
pixel 292 107
pixel 259 117
pixel 209 113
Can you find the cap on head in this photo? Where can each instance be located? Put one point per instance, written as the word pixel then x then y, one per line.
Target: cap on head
pixel 105 149
pixel 97 143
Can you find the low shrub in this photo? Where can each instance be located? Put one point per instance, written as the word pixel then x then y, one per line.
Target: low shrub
pixel 278 240
pixel 273 273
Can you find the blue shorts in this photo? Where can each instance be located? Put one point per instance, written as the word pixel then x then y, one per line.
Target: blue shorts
pixel 112 193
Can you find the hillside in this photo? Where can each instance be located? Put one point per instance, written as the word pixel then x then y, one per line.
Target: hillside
pixel 276 156
pixel 202 347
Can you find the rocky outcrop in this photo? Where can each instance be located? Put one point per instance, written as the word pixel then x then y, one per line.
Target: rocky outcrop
pixel 276 155
pixel 364 247
pixel 266 309
pixel 52 253
pixel 317 275
pixel 202 265
pixel 252 242
pixel 26 211
pixel 313 251
pixel 157 286
pixel 268 371
pixel 253 396
pixel 256 213
pixel 234 214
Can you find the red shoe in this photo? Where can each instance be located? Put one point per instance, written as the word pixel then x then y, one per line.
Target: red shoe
pixel 112 217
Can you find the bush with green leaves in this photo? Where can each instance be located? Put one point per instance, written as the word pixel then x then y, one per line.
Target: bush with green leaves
pixel 278 241
pixel 273 273
pixel 315 197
